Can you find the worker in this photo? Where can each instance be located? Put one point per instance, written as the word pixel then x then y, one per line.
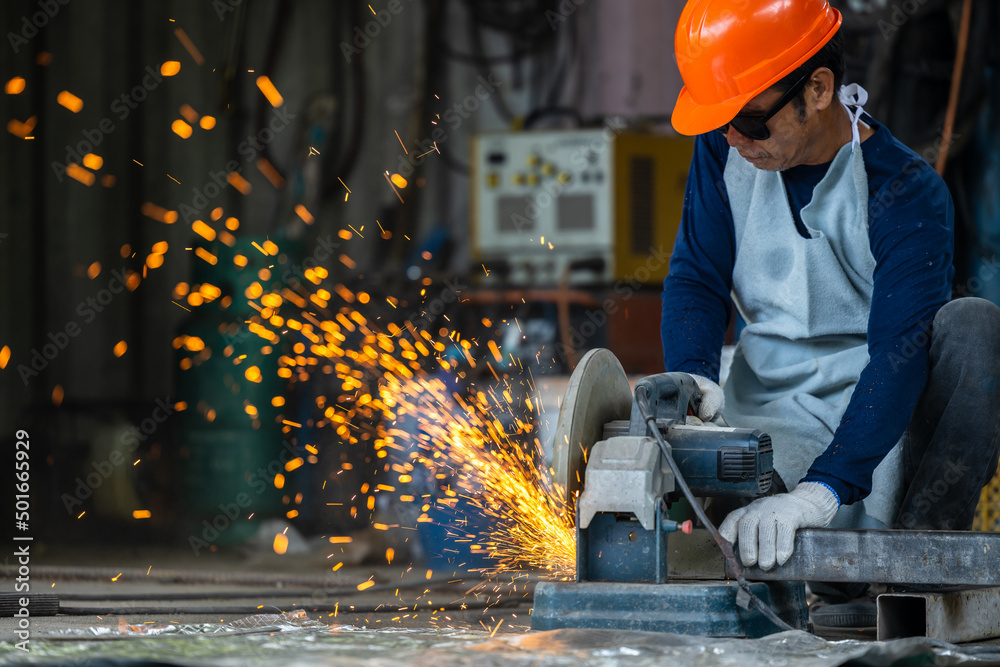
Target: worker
pixel 834 242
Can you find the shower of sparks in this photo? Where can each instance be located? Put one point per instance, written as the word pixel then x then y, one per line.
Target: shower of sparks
pixel 478 448
pixel 469 460
pixel 461 442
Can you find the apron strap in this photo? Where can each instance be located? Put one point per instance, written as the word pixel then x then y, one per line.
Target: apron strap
pixel 853 95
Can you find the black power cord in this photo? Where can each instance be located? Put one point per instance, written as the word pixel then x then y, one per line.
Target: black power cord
pixel 754 602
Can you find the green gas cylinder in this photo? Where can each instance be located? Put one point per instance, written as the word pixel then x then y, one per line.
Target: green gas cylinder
pixel 230 438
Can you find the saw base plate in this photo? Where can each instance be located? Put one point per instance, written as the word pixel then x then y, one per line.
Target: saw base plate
pixel 702 608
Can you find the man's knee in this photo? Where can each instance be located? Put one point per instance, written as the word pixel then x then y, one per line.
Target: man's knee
pixel 971 318
pixel 967 329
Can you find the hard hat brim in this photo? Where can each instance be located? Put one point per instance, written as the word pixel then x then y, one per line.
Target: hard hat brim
pixel 691 118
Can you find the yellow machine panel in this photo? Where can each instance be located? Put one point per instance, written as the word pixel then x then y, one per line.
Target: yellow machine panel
pixel 650 178
pixel 542 200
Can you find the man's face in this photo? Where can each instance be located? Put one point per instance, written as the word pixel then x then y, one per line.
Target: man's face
pixel 789 143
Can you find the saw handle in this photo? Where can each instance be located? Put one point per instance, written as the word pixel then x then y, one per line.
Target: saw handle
pixel 641 405
pixel 670 396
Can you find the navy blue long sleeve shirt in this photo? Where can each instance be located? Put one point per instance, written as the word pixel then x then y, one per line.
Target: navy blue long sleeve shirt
pixel 910 229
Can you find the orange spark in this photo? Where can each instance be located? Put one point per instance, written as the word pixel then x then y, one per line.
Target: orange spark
pixel 270 173
pixel 15 86
pixel 270 92
pixel 22 130
pixel 190 115
pixel 303 213
pixel 78 173
pixel 70 101
pixel 170 68
pixel 151 210
pixel 181 129
pixel 206 255
pixel 203 230
pixel 238 182
pixel 189 46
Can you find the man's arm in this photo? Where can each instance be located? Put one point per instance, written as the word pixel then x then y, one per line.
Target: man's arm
pixel 696 299
pixel 911 238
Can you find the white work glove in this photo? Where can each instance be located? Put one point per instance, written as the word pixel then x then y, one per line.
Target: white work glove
pixel 712 399
pixel 766 527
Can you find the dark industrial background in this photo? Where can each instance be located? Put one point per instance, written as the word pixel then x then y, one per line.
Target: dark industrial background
pixel 555 64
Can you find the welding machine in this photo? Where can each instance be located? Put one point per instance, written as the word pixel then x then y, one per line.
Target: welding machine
pixel 543 199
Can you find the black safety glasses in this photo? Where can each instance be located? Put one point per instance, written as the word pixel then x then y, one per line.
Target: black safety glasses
pixel 755 127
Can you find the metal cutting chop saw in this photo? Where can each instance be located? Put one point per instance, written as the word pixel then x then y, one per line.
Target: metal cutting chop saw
pixel 605 451
pixel 630 459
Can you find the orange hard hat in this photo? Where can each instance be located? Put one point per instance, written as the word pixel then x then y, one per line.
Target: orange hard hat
pixel 730 51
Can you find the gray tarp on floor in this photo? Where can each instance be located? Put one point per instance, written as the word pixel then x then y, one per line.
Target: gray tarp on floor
pixel 314 643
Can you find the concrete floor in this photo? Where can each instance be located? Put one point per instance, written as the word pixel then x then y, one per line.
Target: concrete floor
pixel 245 593
pixel 399 596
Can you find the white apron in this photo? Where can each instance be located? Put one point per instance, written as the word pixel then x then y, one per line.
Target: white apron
pixel 805 302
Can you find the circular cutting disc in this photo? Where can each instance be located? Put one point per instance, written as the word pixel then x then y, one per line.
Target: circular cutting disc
pixel 598 392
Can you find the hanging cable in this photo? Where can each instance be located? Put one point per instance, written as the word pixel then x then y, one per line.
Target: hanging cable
pixel 642 401
pixel 956 86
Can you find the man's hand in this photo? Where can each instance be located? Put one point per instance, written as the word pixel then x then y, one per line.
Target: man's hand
pixel 766 527
pixel 712 398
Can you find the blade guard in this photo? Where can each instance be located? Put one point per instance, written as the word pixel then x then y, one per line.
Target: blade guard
pixel 598 393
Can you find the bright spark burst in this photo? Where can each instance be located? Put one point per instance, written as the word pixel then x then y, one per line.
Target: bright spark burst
pixel 394 394
pixel 395 389
pixel 500 477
